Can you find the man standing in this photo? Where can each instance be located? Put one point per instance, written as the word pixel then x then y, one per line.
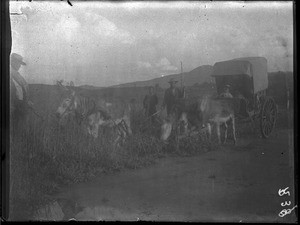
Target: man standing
pixel 18 89
pixel 150 102
pixel 171 96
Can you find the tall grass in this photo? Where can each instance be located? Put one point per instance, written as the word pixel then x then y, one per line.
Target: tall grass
pixel 46 157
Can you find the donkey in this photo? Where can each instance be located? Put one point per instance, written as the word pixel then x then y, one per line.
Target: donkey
pixel 96 114
pixel 187 117
pixel 217 112
pixel 204 113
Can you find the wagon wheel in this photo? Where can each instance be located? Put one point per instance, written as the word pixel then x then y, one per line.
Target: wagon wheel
pixel 268 117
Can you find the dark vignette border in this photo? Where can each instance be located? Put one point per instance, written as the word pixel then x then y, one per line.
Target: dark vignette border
pixel 6 42
pixel 295 109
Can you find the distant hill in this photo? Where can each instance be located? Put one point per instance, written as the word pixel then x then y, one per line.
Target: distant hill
pixel 48 97
pixel 90 87
pixel 199 75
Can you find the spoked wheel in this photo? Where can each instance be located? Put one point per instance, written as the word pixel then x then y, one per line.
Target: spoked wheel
pixel 268 117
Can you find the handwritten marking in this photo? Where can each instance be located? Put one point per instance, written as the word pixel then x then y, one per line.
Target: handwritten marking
pixel 282 192
pixel 285 212
pixel 285 203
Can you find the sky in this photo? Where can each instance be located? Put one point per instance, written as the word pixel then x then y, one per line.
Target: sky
pixel 105 43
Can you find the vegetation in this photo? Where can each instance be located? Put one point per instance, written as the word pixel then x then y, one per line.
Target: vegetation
pixel 45 157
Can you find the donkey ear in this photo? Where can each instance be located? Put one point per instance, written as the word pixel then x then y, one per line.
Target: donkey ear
pixel 60 85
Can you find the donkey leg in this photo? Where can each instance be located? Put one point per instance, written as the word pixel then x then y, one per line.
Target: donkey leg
pixel 225 133
pixel 127 125
pixel 185 123
pixel 209 132
pixel 233 130
pixel 116 142
pixel 218 132
pixel 89 130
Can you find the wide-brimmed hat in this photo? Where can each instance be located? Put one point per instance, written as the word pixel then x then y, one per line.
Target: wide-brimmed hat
pixel 227 86
pixel 14 57
pixel 172 80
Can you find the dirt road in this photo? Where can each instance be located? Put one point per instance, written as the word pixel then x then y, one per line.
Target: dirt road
pixel 238 184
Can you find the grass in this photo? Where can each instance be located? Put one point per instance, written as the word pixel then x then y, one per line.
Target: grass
pixel 45 157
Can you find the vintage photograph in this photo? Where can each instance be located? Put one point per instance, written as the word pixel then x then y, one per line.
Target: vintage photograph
pixel 152 111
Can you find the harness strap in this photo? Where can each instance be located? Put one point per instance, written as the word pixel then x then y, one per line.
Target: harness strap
pixel 122 126
pixel 125 127
pixel 68 108
pixel 91 111
pixel 83 115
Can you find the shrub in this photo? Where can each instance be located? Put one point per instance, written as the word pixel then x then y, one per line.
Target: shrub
pixel 45 157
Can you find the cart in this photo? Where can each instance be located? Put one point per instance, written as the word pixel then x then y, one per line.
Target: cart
pixel 248 81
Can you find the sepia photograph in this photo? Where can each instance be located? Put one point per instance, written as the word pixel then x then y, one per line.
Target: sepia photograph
pixel 178 111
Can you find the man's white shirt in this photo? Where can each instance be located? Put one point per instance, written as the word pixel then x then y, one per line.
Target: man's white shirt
pixel 19 81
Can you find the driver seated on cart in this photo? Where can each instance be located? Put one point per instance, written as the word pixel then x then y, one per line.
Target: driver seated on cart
pixel 226 92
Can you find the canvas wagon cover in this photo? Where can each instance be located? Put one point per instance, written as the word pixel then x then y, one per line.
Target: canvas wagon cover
pixel 255 67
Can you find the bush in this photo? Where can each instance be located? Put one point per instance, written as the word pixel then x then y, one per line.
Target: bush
pixel 45 157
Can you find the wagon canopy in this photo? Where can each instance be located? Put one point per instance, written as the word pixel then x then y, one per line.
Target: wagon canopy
pixel 254 67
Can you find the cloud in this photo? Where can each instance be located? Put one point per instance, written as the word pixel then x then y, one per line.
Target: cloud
pixel 21 12
pixel 144 64
pixel 28 12
pixel 67 27
pixel 106 28
pixel 99 45
pixel 165 65
pixel 163 62
pixel 125 37
pixel 102 25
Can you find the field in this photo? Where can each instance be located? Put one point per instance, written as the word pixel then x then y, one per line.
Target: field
pixel 45 158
